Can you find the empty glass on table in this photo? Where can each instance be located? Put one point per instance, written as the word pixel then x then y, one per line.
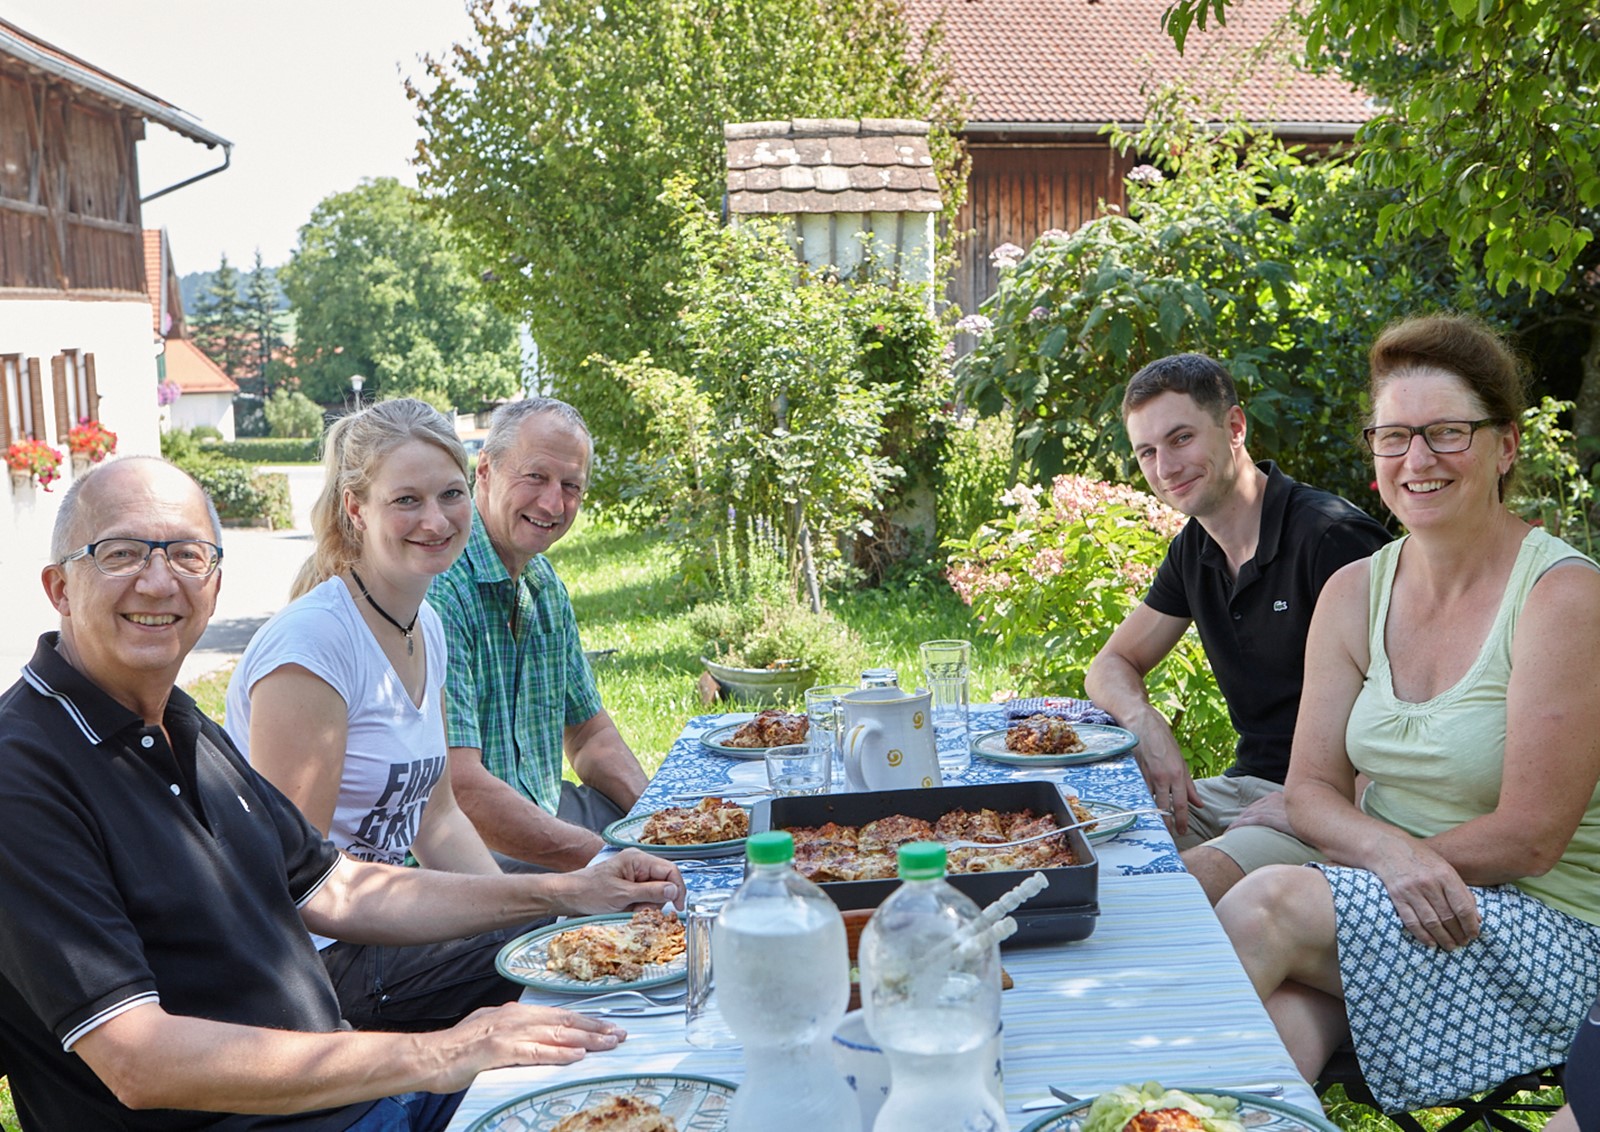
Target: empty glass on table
pixel 947 667
pixel 823 723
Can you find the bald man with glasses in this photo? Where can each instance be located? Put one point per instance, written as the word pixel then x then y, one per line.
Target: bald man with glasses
pixel 155 967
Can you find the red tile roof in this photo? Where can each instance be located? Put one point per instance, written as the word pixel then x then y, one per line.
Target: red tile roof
pixel 193 371
pixel 1082 63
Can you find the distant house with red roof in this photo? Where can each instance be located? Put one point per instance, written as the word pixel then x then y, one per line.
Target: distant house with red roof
pixel 79 322
pixel 1047 76
pixel 206 392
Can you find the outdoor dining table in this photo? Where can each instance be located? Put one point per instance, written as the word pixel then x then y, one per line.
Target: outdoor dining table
pixel 1154 993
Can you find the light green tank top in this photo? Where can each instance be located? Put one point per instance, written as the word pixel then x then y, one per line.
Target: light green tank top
pixel 1437 764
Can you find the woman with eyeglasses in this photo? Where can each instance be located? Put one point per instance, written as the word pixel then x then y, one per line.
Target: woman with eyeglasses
pixel 1454 934
pixel 338 701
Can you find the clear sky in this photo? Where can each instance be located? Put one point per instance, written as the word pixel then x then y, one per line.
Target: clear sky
pixel 309 91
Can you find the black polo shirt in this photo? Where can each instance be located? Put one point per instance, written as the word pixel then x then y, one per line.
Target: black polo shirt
pixel 1254 628
pixel 132 872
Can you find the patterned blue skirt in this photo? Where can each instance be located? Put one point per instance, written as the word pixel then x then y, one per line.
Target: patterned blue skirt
pixel 1431 1025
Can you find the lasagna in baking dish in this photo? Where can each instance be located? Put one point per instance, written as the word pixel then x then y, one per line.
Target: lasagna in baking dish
pixel 713 819
pixel 619 948
pixel 833 852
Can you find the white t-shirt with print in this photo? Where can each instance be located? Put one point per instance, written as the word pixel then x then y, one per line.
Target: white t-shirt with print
pixel 394 749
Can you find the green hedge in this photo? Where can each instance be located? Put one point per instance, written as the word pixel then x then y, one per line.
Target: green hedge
pixel 242 494
pixel 272 449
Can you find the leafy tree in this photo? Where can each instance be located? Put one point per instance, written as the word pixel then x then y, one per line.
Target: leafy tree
pixel 778 413
pixel 548 139
pixel 261 310
pixel 293 414
pixel 1238 249
pixel 222 323
pixel 379 289
pixel 1490 122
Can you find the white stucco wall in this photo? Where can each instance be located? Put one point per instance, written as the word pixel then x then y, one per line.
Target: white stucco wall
pixel 117 332
pixel 214 409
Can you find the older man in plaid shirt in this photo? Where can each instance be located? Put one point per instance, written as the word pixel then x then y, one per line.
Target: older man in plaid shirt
pixel 519 688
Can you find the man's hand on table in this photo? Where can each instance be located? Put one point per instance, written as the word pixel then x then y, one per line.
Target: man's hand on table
pixel 516 1034
pixel 628 881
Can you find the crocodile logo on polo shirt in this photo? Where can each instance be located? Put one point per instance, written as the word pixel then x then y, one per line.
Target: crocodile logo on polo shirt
pixel 1280 606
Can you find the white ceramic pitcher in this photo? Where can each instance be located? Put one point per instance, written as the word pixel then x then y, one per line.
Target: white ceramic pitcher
pixel 888 739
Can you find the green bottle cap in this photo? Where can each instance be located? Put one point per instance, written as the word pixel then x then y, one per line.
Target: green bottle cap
pixel 771 848
pixel 921 860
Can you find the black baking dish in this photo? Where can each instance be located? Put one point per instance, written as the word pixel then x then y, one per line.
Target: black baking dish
pixel 1065 910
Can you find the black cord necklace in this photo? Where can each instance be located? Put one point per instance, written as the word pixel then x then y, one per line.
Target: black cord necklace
pixel 384 613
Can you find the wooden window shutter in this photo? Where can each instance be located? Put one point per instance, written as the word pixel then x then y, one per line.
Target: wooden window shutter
pixel 35 423
pixel 91 401
pixel 58 382
pixel 10 378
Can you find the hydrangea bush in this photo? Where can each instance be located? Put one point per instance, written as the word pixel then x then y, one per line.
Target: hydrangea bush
pixel 1060 570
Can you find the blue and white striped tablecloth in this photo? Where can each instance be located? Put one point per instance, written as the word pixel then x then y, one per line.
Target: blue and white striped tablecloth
pixel 1155 993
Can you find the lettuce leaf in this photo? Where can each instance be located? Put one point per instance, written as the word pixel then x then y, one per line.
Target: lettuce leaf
pixel 1113 1109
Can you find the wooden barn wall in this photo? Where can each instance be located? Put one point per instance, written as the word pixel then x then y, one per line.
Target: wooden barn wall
pixel 69 191
pixel 1018 190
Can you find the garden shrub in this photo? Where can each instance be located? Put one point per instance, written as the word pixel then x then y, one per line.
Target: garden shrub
pixel 1062 570
pixel 977 470
pixel 292 413
pixel 803 398
pixel 273 450
pixel 241 494
pixel 1550 488
pixel 756 619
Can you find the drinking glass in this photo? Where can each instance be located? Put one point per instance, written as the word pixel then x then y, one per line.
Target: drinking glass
pixel 704 1025
pixel 798 768
pixel 824 730
pixel 947 666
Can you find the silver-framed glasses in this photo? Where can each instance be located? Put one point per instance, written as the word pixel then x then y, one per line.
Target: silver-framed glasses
pixel 125 557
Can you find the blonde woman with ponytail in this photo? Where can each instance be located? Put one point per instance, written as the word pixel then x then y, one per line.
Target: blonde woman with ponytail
pixel 339 702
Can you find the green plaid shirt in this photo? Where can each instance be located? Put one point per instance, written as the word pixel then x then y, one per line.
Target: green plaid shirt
pixel 517 674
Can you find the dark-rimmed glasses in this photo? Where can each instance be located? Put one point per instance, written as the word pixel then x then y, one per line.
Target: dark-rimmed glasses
pixel 125 557
pixel 1443 437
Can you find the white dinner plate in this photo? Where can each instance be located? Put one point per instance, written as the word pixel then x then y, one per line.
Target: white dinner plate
pixel 1100 741
pixel 1257 1114
pixel 698 1103
pixel 523 961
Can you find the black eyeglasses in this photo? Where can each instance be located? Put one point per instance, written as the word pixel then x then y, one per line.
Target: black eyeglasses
pixel 124 557
pixel 1441 436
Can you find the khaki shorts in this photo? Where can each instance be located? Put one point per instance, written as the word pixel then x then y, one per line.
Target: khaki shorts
pixel 1249 846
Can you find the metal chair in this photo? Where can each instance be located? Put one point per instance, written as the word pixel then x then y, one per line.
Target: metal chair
pixel 1487 1110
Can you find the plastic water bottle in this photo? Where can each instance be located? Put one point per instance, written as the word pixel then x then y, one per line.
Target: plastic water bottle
pixel 783 977
pixel 932 1001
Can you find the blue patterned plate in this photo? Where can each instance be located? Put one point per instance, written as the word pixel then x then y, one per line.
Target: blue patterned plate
pixel 625 833
pixel 1100 741
pixel 694 1104
pixel 523 961
pixel 1257 1114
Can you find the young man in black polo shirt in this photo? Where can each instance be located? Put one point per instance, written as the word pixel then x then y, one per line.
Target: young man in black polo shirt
pixel 1246 570
pixel 155 967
